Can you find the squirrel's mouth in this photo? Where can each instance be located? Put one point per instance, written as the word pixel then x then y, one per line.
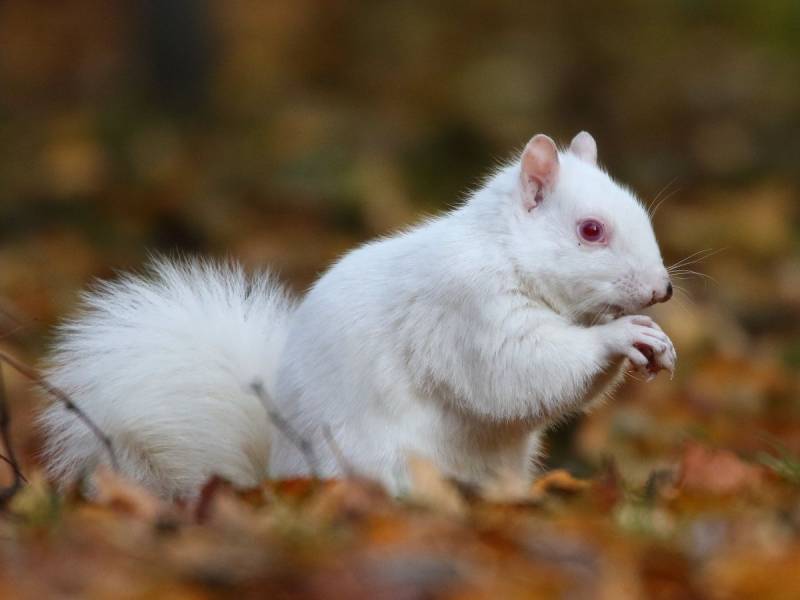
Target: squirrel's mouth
pixel 606 314
pixel 616 311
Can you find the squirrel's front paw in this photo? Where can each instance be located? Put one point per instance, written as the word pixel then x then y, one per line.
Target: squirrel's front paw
pixel 642 342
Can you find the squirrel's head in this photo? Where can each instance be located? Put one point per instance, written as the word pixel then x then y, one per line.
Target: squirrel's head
pixel 584 241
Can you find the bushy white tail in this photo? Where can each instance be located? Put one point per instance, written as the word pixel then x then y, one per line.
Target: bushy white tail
pixel 163 363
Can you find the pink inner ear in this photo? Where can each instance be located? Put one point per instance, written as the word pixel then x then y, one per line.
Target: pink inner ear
pixel 539 170
pixel 584 147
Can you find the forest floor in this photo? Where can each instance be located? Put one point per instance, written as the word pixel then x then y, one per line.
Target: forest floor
pixel 684 488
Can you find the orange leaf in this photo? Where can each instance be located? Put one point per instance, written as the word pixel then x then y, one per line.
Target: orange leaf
pixel 716 471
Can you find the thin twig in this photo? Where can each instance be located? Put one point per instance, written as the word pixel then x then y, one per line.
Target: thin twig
pixel 303 445
pixel 11 464
pixel 8 315
pixel 341 460
pixel 5 421
pixel 68 403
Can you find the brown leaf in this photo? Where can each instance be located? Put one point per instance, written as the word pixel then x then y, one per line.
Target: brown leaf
pixel 507 487
pixel 431 488
pixel 349 499
pixel 559 480
pixel 114 491
pixel 210 489
pixel 607 486
pixel 716 471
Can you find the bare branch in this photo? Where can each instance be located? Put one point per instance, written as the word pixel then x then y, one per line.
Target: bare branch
pixel 11 464
pixel 8 461
pixel 60 395
pixel 341 460
pixel 5 421
pixel 303 445
pixel 9 315
pixel 12 323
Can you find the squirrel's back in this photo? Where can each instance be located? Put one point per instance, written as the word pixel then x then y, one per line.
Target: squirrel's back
pixel 164 364
pixel 459 340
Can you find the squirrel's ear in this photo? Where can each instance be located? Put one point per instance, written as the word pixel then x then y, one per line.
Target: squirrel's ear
pixel 539 170
pixel 584 147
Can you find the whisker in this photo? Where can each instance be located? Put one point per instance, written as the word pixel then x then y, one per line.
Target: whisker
pixel 687 278
pixel 698 256
pixel 688 274
pixel 698 252
pixel 681 303
pixel 664 199
pixel 682 261
pixel 682 294
pixel 600 315
pixel 692 260
pixel 655 200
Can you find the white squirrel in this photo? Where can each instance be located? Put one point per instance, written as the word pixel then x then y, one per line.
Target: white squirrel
pixel 460 340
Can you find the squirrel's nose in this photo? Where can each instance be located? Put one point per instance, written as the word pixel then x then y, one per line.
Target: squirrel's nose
pixel 665 296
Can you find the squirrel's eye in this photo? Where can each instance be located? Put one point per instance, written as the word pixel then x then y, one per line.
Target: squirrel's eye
pixel 592 230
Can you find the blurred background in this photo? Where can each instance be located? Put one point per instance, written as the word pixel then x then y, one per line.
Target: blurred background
pixel 282 133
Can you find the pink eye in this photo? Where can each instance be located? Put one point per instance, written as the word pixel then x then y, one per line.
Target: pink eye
pixel 592 231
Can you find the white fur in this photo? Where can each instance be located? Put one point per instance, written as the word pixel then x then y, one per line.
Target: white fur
pixel 460 339
pixel 162 364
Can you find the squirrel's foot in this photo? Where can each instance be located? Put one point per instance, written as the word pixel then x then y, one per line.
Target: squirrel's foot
pixel 645 345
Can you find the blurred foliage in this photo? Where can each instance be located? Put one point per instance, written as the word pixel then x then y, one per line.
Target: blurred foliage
pixel 284 132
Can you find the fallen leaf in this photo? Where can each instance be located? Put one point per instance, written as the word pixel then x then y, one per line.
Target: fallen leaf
pixel 114 491
pixel 716 471
pixel 558 480
pixel 430 488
